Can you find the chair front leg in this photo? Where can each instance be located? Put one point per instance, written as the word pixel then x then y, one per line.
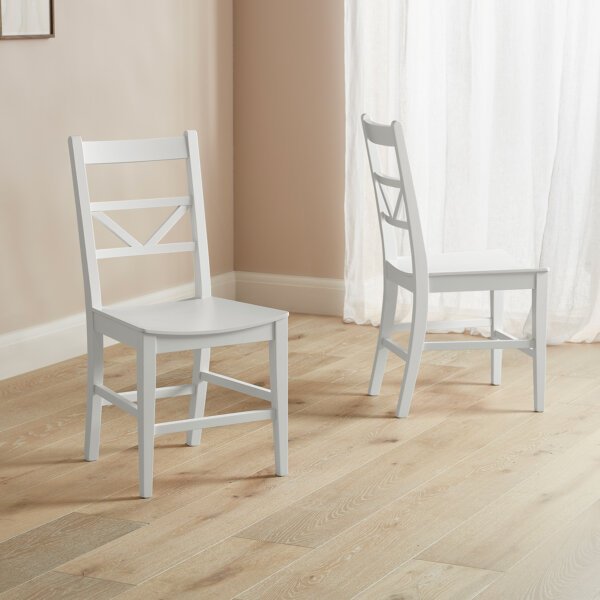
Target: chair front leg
pixel 198 399
pixel 415 349
pixel 95 374
pixel 278 367
pixel 539 323
pixel 388 312
pixel 497 317
pixel 146 405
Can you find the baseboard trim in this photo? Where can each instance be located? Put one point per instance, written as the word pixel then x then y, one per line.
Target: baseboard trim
pixel 42 345
pixel 312 295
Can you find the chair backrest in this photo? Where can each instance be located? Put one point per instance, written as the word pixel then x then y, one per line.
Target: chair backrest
pixel 130 151
pixel 392 191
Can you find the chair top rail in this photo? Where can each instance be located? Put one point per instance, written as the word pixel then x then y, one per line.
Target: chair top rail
pixel 129 151
pixel 140 203
pixel 387 180
pixel 143 250
pixel 377 133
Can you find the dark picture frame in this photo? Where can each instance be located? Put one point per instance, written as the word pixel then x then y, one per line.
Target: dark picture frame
pixel 23 34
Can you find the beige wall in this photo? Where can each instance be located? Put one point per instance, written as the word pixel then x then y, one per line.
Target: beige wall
pixel 289 136
pixel 115 70
pixel 153 68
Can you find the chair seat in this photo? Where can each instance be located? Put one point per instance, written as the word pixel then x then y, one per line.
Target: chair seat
pixel 458 263
pixel 195 316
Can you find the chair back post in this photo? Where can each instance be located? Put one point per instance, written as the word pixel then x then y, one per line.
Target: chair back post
pixel 378 134
pixel 87 244
pixel 417 242
pixel 198 218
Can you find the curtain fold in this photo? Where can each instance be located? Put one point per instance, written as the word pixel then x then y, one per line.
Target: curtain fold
pixel 499 103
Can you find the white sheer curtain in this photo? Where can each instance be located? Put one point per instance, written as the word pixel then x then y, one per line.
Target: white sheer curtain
pixel 500 103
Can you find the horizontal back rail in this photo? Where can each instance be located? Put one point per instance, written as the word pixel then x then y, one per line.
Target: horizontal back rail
pixel 387 180
pixel 128 151
pixel 395 222
pixel 143 250
pixel 141 203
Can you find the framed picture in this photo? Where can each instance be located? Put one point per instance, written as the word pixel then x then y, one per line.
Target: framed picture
pixel 20 19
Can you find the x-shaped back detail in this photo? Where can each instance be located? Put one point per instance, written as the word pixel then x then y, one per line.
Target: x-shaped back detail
pixel 129 239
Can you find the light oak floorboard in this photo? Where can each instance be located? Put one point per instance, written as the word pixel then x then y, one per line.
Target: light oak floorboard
pixel 330 510
pixel 564 566
pixel 590 397
pixel 508 528
pixel 422 580
pixel 61 586
pixel 331 453
pixel 28 555
pixel 187 481
pixel 370 549
pixel 323 450
pixel 367 493
pixel 221 571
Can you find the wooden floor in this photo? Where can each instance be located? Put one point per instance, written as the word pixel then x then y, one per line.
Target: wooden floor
pixel 472 496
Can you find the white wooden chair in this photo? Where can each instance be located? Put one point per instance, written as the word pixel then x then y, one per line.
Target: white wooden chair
pixel 195 324
pixel 421 274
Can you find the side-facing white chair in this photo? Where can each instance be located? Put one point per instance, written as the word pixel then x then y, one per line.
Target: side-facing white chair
pixel 197 324
pixel 492 271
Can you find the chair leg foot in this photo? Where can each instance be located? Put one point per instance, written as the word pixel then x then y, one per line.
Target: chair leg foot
pixel 93 416
pixel 415 349
pixel 92 428
pixel 378 370
pixel 539 379
pixel 496 313
pixel 280 433
pixel 198 399
pixel 496 377
pixel 146 387
pixel 388 312
pixel 146 485
pixel 278 366
pixel 540 301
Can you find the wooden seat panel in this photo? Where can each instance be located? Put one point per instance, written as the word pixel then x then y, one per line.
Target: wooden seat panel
pixel 473 263
pixel 196 316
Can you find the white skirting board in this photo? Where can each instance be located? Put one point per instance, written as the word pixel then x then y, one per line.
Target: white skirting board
pixel 312 295
pixel 35 347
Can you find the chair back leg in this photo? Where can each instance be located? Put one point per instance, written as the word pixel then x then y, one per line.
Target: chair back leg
pixel 539 306
pixel 198 399
pixel 386 325
pixel 415 349
pixel 278 367
pixel 497 317
pixel 95 374
pixel 146 402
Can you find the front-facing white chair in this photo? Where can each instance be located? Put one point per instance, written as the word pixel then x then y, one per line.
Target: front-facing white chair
pixel 493 271
pixel 198 323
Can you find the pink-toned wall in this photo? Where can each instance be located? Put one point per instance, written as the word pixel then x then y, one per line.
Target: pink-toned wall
pixel 141 68
pixel 289 136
